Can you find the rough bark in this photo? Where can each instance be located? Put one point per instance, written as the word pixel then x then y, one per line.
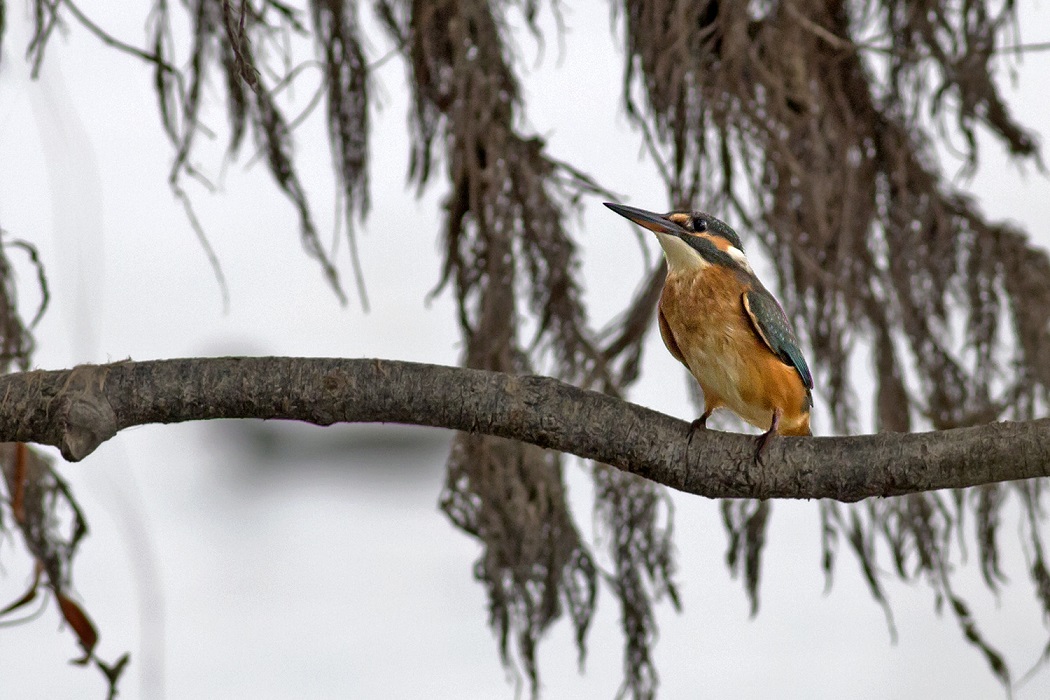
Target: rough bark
pixel 78 409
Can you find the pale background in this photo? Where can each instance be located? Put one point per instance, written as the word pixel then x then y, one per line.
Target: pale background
pixel 317 564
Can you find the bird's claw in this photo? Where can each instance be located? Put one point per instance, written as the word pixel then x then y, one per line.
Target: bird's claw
pixel 764 438
pixel 697 425
pixel 763 444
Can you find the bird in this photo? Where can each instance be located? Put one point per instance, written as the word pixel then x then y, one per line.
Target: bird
pixel 730 332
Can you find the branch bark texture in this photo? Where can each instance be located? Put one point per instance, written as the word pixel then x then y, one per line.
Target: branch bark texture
pixel 77 410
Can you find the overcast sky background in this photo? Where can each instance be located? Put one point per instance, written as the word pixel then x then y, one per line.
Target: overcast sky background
pixel 319 567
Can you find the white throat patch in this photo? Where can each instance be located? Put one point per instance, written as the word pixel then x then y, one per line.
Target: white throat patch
pixel 680 255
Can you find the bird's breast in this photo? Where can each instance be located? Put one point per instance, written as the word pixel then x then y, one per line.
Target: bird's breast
pixel 704 313
pixel 705 316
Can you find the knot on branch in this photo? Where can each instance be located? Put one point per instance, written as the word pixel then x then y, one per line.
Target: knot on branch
pixel 85 418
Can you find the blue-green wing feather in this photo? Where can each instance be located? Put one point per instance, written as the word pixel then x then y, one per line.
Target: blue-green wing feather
pixel 773 327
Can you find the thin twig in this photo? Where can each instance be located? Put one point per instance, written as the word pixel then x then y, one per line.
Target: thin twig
pixel 45 292
pixel 819 31
pixel 108 39
pixel 209 252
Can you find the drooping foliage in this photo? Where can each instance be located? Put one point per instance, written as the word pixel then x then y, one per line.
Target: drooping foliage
pixel 508 252
pixel 815 125
pixel 42 509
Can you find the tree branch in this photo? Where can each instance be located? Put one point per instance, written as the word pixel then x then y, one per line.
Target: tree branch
pixel 78 409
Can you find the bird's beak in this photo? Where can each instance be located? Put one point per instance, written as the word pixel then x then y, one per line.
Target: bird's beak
pixel 647 219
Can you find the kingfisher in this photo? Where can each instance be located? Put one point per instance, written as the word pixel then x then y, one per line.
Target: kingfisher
pixel 718 320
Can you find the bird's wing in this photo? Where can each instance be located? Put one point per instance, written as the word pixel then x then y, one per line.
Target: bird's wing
pixel 669 341
pixel 773 327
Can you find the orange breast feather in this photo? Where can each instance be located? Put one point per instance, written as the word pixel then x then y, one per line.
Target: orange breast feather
pixel 704 325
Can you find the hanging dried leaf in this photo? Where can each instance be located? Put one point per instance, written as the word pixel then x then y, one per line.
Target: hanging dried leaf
pixel 82 626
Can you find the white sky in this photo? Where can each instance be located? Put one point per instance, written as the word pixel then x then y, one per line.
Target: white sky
pixel 308 575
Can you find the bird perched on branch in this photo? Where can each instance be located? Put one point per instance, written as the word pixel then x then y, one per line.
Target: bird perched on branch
pixel 718 320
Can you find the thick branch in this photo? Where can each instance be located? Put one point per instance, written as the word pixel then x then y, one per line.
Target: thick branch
pixel 76 410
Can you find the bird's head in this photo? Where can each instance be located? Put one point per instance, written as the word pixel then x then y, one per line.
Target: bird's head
pixel 691 239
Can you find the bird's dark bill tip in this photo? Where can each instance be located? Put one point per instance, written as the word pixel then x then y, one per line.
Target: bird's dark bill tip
pixel 648 219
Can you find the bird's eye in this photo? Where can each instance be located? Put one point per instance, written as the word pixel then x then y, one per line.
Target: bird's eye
pixel 699 224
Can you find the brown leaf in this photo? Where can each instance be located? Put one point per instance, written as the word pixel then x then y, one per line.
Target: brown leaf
pixel 18 486
pixel 81 624
pixel 27 598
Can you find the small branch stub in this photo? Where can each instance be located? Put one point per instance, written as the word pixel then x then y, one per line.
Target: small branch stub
pixel 89 421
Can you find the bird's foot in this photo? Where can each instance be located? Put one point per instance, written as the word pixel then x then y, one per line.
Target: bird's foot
pixel 698 425
pixel 765 438
pixel 763 443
